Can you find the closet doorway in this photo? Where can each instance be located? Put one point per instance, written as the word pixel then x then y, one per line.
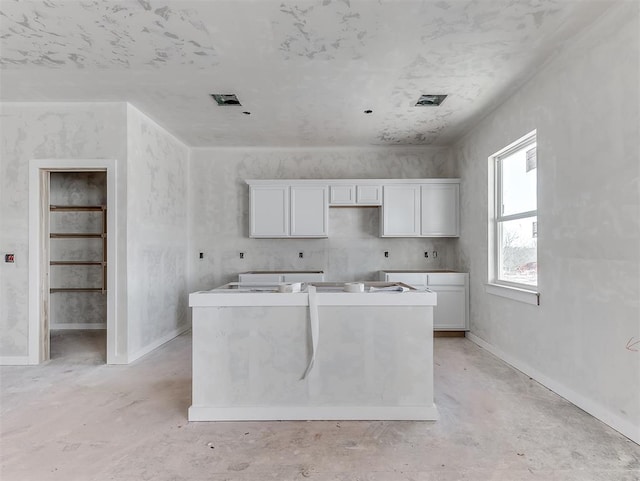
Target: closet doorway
pixel 72 262
pixel 78 266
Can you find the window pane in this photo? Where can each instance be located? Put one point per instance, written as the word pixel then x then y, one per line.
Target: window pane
pixel 518 251
pixel 519 181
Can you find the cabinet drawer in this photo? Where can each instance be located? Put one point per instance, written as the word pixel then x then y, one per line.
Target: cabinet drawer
pixel 411 278
pixel 446 279
pixel 260 277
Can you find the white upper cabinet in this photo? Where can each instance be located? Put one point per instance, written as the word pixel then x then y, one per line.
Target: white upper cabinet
pixel 309 211
pixel 278 210
pixel 439 210
pixel 269 211
pixel 355 194
pixel 367 194
pixel 343 194
pixel 401 210
pixel 300 207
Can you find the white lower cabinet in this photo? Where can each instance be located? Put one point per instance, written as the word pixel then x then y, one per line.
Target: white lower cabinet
pixel 451 312
pixel 452 288
pixel 271 277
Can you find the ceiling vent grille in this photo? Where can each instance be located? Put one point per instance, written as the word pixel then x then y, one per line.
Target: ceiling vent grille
pixel 226 99
pixel 430 100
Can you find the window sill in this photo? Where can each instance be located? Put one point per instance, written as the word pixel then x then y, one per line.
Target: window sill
pixel 515 293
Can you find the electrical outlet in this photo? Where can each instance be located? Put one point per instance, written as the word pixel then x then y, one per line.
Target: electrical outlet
pixel 434 254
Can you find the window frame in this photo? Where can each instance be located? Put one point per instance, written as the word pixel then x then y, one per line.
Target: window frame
pixel 497 219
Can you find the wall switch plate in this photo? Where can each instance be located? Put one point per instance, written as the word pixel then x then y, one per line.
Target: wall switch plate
pixel 10 258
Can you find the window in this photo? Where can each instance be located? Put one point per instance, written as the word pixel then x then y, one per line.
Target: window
pixel 514 233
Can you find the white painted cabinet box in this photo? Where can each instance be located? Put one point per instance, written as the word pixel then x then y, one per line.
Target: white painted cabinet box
pixel 421 210
pixel 300 208
pixel 269 216
pixel 355 194
pixel 439 210
pixel 400 211
pixel 281 276
pixel 452 288
pixel 288 211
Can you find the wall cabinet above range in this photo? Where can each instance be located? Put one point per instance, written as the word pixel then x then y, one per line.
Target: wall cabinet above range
pixel 300 208
pixel 355 194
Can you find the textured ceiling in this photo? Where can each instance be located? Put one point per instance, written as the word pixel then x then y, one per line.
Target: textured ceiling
pixel 306 70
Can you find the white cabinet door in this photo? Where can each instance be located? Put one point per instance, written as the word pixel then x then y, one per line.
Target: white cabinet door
pixel 309 211
pixel 450 313
pixel 304 277
pixel 269 211
pixel 342 195
pixel 401 211
pixel 440 209
pixel 368 195
pixel 414 279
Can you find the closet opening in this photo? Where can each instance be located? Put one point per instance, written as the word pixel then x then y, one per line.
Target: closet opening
pixel 78 266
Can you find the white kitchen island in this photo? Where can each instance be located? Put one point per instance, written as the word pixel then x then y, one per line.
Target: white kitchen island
pixel 373 354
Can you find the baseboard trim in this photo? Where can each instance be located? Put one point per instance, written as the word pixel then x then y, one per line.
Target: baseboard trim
pixel 14 361
pixel 598 411
pixel 159 342
pixel 314 413
pixel 80 325
pixel 448 333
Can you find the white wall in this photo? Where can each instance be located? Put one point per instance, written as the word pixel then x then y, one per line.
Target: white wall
pixel 41 131
pixel 585 107
pixel 156 234
pixel 219 210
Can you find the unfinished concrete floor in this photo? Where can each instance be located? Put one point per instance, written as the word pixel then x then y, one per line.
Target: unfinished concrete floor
pixel 75 418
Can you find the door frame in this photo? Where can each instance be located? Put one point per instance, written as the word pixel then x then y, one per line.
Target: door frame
pixel 39 170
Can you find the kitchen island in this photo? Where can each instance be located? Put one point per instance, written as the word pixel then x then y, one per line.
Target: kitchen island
pixel 321 353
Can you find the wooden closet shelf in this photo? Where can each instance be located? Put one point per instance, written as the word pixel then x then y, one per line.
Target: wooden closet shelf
pixel 77 208
pixel 76 235
pixel 78 263
pixel 77 289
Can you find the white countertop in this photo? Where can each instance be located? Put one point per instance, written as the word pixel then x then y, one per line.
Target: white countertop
pixel 328 294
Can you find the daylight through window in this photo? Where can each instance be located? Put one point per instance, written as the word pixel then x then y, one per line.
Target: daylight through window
pixel 515 229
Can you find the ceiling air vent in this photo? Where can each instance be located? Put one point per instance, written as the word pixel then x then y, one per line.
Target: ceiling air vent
pixel 226 99
pixel 430 100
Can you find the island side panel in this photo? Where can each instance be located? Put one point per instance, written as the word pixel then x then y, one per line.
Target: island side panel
pixel 372 362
